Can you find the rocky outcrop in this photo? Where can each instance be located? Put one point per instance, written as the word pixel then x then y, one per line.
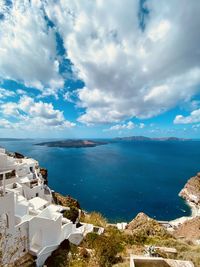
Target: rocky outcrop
pixel 59 257
pixel 17 155
pixel 26 261
pixel 191 191
pixel 44 173
pixel 190 230
pixel 66 201
pixel 143 225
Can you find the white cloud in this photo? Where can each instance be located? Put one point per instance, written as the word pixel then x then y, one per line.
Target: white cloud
pixel 70 96
pixel 33 115
pixel 5 124
pixel 129 72
pixel 196 127
pixel 159 31
pixel 125 126
pixel 194 117
pixel 6 93
pixel 28 46
pixel 141 125
pixel 128 126
pixel 10 109
pixel 21 92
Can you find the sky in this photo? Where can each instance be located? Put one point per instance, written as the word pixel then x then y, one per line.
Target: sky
pixel 99 69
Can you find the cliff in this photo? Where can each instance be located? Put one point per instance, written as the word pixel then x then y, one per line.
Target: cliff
pixel 44 173
pixel 66 201
pixel 143 225
pixel 191 191
pixel 189 230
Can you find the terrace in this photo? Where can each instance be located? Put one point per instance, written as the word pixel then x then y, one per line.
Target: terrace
pixel 143 261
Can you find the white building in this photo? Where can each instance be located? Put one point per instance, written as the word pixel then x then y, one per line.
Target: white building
pixel 30 222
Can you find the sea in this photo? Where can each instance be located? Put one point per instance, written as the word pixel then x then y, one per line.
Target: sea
pixel 122 178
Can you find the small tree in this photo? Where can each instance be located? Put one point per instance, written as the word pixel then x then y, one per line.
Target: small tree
pixel 71 214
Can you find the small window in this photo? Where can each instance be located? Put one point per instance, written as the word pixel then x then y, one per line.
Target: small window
pixel 36 194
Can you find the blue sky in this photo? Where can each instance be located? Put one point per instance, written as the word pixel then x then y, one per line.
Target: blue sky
pixel 99 68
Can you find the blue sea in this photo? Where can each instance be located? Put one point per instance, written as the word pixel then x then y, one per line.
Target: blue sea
pixel 122 178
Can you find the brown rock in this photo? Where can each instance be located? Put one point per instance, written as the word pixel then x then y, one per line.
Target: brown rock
pixel 144 225
pixel 44 173
pixel 17 155
pixel 191 191
pixel 190 229
pixel 66 201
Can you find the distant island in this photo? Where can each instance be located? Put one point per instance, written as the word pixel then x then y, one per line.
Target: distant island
pixel 70 143
pixel 145 138
pixel 13 139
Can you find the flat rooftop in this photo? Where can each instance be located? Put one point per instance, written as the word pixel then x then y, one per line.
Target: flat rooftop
pixel 38 202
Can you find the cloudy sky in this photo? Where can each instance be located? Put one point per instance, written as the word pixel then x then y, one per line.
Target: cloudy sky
pixel 99 68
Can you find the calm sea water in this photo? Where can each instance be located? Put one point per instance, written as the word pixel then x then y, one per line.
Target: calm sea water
pixel 120 179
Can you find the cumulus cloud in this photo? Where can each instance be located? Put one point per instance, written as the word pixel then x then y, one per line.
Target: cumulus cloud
pixel 126 126
pixel 21 92
pixel 130 72
pixel 5 124
pixel 141 125
pixel 194 117
pixel 70 96
pixel 196 127
pixel 31 114
pixel 6 93
pixel 28 46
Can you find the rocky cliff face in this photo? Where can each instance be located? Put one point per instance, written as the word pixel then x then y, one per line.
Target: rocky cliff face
pixel 190 230
pixel 44 173
pixel 191 191
pixel 66 201
pixel 144 225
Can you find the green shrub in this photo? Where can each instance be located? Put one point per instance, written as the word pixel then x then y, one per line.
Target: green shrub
pixel 59 257
pixel 106 250
pixel 71 214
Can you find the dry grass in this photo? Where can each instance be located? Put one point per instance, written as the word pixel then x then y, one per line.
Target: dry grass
pixel 94 218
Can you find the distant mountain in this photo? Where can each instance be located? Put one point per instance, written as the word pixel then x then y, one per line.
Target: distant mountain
pixel 14 139
pixel 145 138
pixel 70 143
pixel 133 138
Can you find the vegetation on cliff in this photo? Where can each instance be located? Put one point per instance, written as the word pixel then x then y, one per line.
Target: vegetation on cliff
pixel 145 227
pixel 94 218
pixel 114 246
pixel 66 201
